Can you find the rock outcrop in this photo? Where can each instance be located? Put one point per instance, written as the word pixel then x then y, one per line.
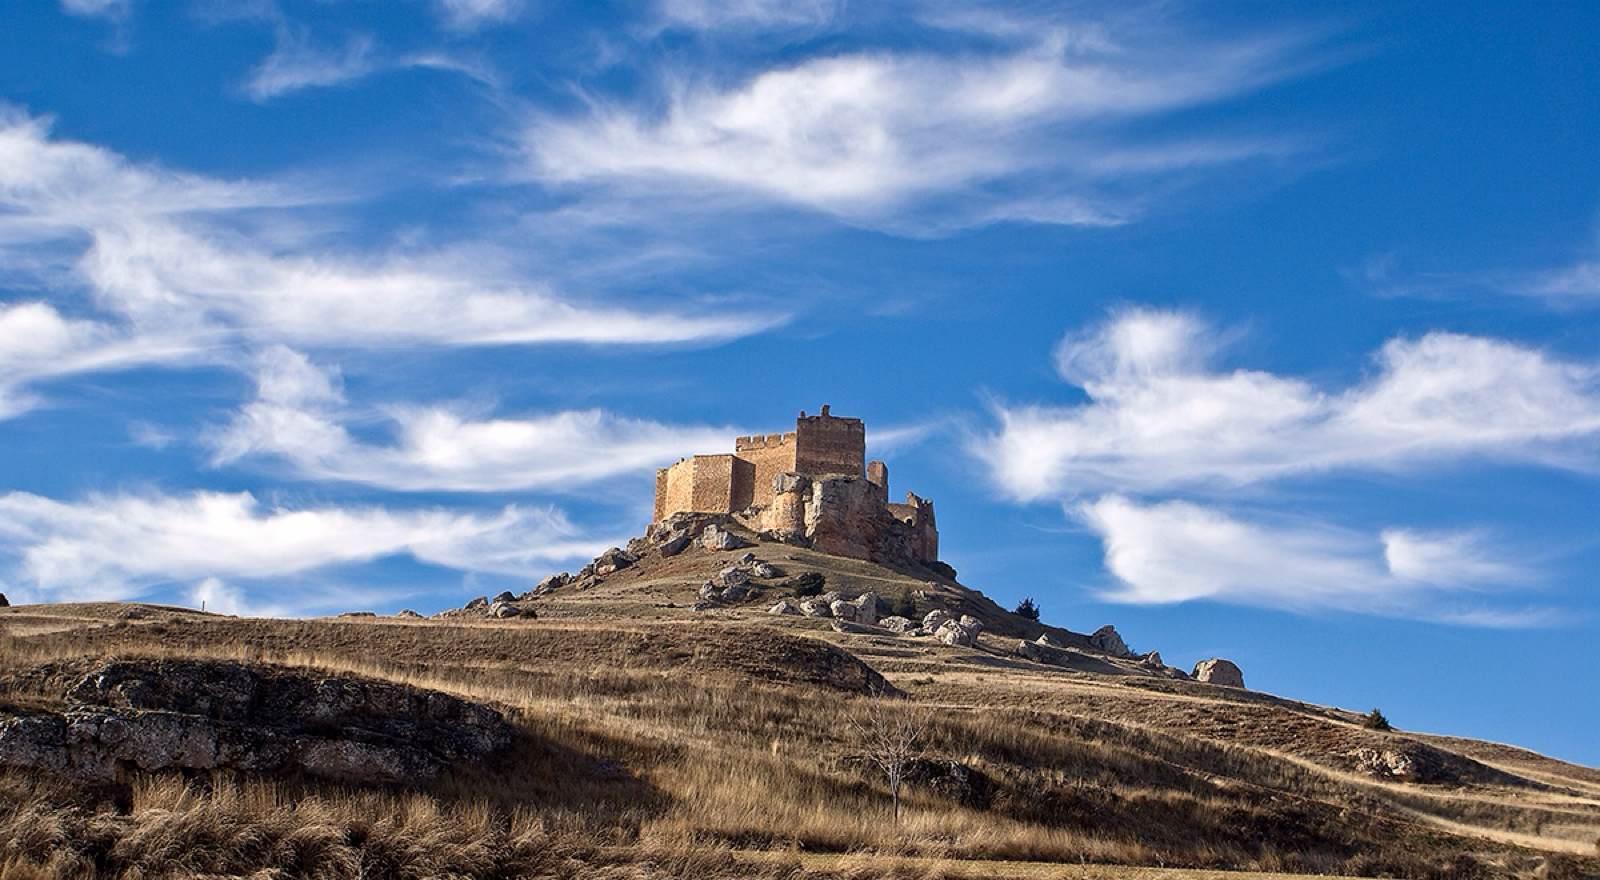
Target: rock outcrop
pixel 206 715
pixel 1106 639
pixel 1218 671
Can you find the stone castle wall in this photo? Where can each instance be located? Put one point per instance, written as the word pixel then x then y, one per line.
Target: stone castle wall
pixel 812 484
pixel 771 454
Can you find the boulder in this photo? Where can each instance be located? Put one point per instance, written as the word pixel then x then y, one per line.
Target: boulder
pixel 4 602
pixel 952 633
pixel 716 537
pixel 613 561
pixel 203 715
pixel 856 629
pixel 732 577
pixel 784 606
pixel 898 624
pixel 675 545
pixel 831 596
pixel 763 570
pixel 1050 641
pixel 475 604
pixel 867 608
pixel 709 592
pixel 815 608
pixel 806 583
pixel 408 614
pixel 506 596
pixel 553 582
pixel 735 593
pixel 971 623
pixel 843 610
pixel 504 610
pixel 1152 660
pixel 934 619
pixel 747 559
pixel 1219 671
pixel 1106 639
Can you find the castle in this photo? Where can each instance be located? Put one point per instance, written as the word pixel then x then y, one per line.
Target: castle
pixel 812 484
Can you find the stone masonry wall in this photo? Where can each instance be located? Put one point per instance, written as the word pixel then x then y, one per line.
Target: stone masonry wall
pixel 825 444
pixel 771 454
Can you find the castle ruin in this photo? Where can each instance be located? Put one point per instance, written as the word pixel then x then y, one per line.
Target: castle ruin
pixel 811 485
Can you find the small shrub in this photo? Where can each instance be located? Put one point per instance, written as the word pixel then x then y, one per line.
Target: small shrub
pixel 1375 720
pixel 808 583
pixel 1027 608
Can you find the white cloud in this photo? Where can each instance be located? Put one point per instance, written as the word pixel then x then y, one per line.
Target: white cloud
pixel 474 14
pixel 114 9
pixel 1177 551
pixel 1160 416
pixel 1038 132
pixel 712 15
pixel 296 64
pixel 173 280
pixel 298 415
pixel 1579 281
pixel 121 546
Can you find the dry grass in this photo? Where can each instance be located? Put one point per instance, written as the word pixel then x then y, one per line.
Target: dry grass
pixel 651 754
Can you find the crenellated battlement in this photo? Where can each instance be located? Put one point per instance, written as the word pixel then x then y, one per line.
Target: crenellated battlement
pixel 763 441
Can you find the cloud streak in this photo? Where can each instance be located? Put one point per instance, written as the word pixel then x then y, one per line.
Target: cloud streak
pixel 298 415
pixel 1161 417
pixel 1177 551
pixel 172 277
pixel 122 546
pixel 1041 130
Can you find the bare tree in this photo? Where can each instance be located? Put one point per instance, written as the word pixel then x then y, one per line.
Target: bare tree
pixel 891 734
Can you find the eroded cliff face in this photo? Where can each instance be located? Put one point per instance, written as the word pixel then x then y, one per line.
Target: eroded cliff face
pixel 844 516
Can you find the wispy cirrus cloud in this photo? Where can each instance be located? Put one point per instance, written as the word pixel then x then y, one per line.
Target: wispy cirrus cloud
pixel 467 15
pixel 124 545
pixel 1161 417
pixel 742 15
pixel 1042 129
pixel 112 9
pixel 174 273
pixel 1179 551
pixel 297 64
pixel 298 417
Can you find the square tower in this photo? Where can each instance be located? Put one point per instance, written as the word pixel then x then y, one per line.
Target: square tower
pixel 827 444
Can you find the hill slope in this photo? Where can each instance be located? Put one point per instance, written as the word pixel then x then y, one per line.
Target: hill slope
pixel 660 740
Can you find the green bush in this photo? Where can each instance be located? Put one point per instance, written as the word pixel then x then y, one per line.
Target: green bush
pixel 1027 608
pixel 1375 720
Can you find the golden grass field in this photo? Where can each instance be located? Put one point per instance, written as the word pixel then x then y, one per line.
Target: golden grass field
pixel 661 742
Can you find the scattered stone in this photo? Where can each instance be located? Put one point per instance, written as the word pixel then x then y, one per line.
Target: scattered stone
pixel 934 619
pixel 612 561
pixel 732 577
pixel 505 610
pixel 831 596
pixel 675 545
pixel 475 604
pixel 735 593
pixel 1050 641
pixel 815 608
pixel 784 606
pixel 747 558
pixel 955 635
pixel 764 570
pixel 408 614
pixel 854 629
pixel 1153 660
pixel 716 537
pixel 552 583
pixel 702 606
pixel 896 623
pixel 709 592
pixel 1106 639
pixel 867 608
pixel 1219 671
pixel 806 583
pixel 198 715
pixel 969 622
pixel 843 610
pixel 506 596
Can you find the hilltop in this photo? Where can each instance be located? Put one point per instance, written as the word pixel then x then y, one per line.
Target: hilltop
pixel 651 732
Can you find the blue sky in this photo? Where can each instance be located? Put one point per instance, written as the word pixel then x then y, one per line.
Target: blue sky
pixel 1259 331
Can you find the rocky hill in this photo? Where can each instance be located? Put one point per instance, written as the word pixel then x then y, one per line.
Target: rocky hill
pixel 706 703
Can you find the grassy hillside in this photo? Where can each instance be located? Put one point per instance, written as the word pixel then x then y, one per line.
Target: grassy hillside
pixel 664 742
